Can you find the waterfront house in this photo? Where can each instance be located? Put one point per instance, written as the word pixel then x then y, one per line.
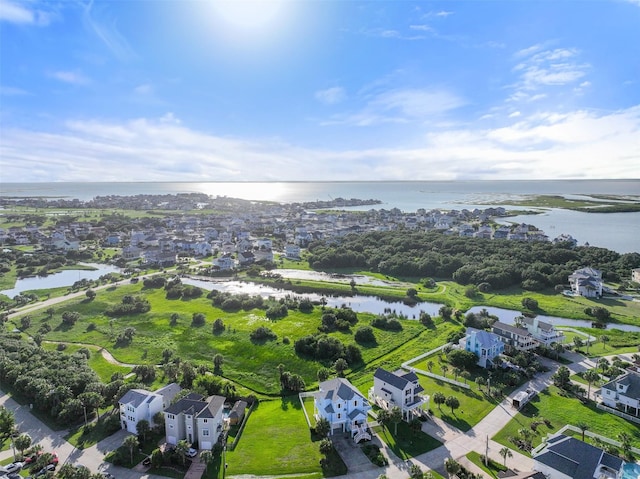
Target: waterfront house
pixel 514 338
pixel 586 282
pixel 487 346
pixel 399 389
pixel 224 262
pixel 195 419
pixel 139 404
pixel 544 333
pixel 340 403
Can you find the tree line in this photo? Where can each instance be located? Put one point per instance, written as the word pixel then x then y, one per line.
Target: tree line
pixel 498 263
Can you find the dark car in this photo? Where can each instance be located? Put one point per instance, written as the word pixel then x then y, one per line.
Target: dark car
pixel 45 469
pixel 146 461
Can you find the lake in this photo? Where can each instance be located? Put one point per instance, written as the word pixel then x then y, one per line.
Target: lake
pixel 59 280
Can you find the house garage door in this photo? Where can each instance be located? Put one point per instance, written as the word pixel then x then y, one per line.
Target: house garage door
pixel 172 440
pixel 207 445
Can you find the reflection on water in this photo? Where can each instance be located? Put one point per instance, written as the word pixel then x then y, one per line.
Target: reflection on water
pixel 61 279
pixel 372 304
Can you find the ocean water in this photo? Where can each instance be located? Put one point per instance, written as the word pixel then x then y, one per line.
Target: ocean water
pixel 619 232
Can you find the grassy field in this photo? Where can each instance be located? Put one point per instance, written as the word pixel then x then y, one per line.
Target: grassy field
pixel 492 469
pixel 251 365
pixel 276 440
pixel 562 411
pixel 406 444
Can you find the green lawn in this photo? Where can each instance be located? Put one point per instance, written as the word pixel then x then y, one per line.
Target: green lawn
pixel 406 444
pixel 492 469
pixel 275 441
pixel 251 365
pixel 561 411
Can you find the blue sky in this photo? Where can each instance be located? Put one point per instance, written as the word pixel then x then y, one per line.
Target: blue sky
pixel 162 90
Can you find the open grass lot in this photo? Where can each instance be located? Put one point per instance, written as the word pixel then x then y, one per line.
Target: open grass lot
pixel 406 444
pixel 251 365
pixel 619 341
pixel 275 441
pixel 561 411
pixel 492 469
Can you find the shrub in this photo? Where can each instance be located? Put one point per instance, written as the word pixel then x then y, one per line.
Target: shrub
pixel 364 335
pixel 262 334
pixel 198 319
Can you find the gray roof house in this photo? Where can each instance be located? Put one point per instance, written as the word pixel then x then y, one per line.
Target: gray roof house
pixel 400 389
pixel 195 419
pixel 623 393
pixel 138 404
pixel 514 338
pixel 586 282
pixel 486 345
pixel 564 457
pixel 346 409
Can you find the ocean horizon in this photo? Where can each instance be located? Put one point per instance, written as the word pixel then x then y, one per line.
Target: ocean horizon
pixel 408 196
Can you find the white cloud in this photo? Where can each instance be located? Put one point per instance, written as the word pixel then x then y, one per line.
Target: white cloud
pixel 401 105
pixel 73 78
pixel 144 89
pixel 23 13
pixel 12 91
pixel 107 31
pixel 331 96
pixel 578 144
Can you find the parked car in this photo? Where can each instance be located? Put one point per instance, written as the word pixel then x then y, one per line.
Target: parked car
pixel 106 475
pixel 146 461
pixel 13 467
pixel 45 469
pixel 13 475
pixel 54 459
pixel 192 452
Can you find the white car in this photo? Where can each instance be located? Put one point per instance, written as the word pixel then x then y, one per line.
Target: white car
pixel 13 467
pixel 192 452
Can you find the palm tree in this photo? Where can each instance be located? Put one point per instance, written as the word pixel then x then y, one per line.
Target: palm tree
pixel 577 342
pixel 625 444
pixel 131 443
pixel 181 449
pixel 451 466
pixel 583 426
pixel 558 349
pixel 444 369
pixel 142 428
pixel 590 376
pixel 439 399
pixel 465 375
pixel 430 365
pixel 456 373
pixel 603 363
pixel 604 339
pixel 480 381
pixel 395 416
pixel 452 402
pixel 505 452
pixel 22 442
pixel 415 425
pixel 323 427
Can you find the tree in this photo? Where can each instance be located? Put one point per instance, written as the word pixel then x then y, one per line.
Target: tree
pixel 131 443
pixel 325 447
pixel 198 319
pixel 439 399
pixel 90 401
pixel 462 359
pixel 562 377
pixel 577 342
pixel 365 335
pixel 456 373
pixel 430 365
pixel 530 303
pixel 466 375
pixel 174 319
pixel 142 428
pixel 384 418
pixel 412 292
pixel 451 466
pixel 426 320
pixel 323 374
pixel 583 426
pixel 604 339
pixel 415 472
pixel 206 458
pixel 340 366
pixel 218 360
pixel 415 425
pixel 505 452
pixel 452 402
pixel 90 294
pixel 395 416
pixel 157 458
pixel 590 376
pixel 22 442
pixel 166 355
pixel 182 447
pixel 558 349
pixel 323 427
pixel 7 422
pixel 625 444
pixel 50 312
pixel 603 363
pixel 444 369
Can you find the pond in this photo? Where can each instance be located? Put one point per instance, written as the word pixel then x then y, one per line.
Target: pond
pixel 372 304
pixel 508 316
pixel 337 278
pixel 61 279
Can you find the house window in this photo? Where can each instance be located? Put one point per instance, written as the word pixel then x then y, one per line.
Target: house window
pixel 355 403
pixel 339 415
pixel 339 405
pixel 205 420
pixel 407 392
pixel 205 432
pixel 170 426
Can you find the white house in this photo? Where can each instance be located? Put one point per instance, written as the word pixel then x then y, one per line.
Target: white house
pixel 224 262
pixel 635 275
pixel 544 333
pixel 486 345
pixel 564 457
pixel 399 389
pixel 195 419
pixel 292 251
pixel 586 282
pixel 340 403
pixel 514 338
pixel 139 404
pixel 623 393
